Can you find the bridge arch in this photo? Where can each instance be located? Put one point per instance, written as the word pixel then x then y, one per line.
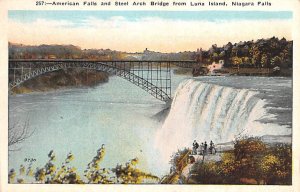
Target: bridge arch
pixel 113 68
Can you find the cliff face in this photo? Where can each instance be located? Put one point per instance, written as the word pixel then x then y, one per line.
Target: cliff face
pixel 62 79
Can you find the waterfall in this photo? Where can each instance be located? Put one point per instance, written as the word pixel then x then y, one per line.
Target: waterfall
pixel 205 112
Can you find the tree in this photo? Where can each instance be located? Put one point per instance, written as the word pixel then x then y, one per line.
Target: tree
pixel 17 134
pixel 264 60
pixel 236 60
pixel 276 61
pixel 276 166
pixel 129 174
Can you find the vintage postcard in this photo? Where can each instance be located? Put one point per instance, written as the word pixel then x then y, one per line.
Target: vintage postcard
pixel 149 95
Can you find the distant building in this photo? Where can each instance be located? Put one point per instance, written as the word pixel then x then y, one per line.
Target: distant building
pixel 50 57
pixel 146 51
pixel 215 66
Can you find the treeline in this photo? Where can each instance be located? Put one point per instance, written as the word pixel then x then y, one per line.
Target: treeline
pixel 20 51
pixel 265 53
pixel 185 55
pixel 262 53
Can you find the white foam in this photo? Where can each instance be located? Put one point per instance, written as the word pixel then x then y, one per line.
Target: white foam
pixel 207 112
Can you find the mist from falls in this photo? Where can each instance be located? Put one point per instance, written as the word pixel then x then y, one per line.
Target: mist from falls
pixel 206 112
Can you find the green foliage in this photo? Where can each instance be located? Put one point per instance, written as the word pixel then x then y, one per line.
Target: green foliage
pixel 178 159
pixel 250 162
pixel 277 165
pixel 20 51
pixel 254 50
pixel 94 173
pixel 264 60
pixel 236 60
pixel 276 61
pixel 129 174
pixel 248 148
pixel 11 176
pixel 207 173
pixel 247 153
pixel 255 54
pixel 67 174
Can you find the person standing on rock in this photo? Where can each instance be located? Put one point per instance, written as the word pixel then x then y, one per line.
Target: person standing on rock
pixel 195 147
pixel 211 147
pixel 205 147
pixel 202 149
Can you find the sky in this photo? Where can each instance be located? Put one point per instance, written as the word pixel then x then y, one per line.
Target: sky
pixel 133 31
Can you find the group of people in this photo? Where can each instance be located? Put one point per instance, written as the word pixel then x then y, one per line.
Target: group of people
pixel 203 148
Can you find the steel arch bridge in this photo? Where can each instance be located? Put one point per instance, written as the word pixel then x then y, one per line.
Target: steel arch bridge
pixel 152 76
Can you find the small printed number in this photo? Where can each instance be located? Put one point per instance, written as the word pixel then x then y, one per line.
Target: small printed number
pixel 29 160
pixel 39 3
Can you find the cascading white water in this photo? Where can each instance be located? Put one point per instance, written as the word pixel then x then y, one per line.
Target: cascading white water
pixel 207 112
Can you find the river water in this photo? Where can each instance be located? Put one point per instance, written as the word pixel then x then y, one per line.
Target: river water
pixel 120 115
pixel 117 114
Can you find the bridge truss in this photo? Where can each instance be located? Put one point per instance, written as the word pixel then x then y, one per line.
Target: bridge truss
pixel 152 76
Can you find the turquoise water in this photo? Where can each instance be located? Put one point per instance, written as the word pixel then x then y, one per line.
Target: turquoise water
pixel 117 114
